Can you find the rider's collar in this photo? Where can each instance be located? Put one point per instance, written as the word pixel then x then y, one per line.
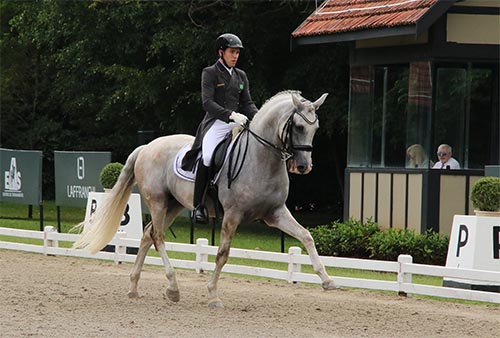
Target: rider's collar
pixel 229 70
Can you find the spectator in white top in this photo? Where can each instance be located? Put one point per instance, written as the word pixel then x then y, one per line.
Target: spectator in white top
pixel 444 154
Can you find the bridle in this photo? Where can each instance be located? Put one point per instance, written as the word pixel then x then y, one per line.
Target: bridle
pixel 286 150
pixel 286 135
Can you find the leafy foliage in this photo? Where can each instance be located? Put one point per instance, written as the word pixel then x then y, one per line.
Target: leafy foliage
pixel 349 239
pixel 109 174
pixel 485 194
pixel 88 75
pixel 389 244
pixel 433 248
pixel 358 240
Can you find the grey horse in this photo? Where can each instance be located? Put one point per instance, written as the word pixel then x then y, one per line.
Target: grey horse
pixel 279 140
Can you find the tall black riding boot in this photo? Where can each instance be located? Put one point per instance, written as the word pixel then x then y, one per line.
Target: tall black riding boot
pixel 200 188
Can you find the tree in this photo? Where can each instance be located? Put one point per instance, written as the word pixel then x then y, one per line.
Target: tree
pixel 80 75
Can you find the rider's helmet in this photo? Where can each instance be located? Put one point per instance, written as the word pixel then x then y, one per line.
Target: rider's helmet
pixel 227 40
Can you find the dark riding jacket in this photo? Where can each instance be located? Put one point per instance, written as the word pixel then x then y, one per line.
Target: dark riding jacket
pixel 221 94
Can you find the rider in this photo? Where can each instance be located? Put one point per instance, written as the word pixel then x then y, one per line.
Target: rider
pixel 227 102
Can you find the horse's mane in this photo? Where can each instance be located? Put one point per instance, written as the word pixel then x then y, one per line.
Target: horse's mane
pixel 281 94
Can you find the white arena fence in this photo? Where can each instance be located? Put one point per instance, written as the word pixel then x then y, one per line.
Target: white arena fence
pixel 404 268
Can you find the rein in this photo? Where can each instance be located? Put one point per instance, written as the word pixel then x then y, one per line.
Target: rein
pixel 286 151
pixel 283 151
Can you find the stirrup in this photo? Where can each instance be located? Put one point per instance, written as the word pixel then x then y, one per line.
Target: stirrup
pixel 200 215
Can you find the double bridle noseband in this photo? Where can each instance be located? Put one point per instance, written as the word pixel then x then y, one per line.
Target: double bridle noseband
pixel 285 151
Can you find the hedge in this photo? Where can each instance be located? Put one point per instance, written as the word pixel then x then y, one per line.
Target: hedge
pixel 366 240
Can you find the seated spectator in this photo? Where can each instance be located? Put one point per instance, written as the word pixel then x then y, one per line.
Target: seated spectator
pixel 444 154
pixel 416 157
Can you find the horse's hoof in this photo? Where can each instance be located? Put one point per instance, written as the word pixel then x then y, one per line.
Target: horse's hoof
pixel 133 294
pixel 329 285
pixel 216 304
pixel 173 295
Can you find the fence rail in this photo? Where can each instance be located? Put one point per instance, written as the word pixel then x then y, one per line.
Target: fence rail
pixel 403 268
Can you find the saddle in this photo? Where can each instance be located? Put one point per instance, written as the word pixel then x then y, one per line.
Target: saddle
pixel 218 158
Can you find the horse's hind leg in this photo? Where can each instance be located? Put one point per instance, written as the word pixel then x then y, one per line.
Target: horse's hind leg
pixel 174 208
pixel 162 218
pixel 283 220
pixel 228 229
pixel 135 274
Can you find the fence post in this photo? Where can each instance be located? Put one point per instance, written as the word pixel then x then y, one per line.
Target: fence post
pixel 403 277
pixel 201 257
pixel 49 243
pixel 292 266
pixel 119 248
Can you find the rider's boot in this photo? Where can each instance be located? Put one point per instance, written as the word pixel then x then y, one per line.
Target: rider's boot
pixel 200 188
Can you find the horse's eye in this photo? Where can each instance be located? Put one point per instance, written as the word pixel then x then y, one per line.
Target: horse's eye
pixel 299 128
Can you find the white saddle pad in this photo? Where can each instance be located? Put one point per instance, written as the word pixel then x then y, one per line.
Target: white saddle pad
pixel 191 175
pixel 186 175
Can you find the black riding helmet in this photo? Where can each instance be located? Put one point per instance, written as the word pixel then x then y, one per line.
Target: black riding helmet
pixel 227 40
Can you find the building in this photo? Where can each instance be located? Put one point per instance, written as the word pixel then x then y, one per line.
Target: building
pixel 422 73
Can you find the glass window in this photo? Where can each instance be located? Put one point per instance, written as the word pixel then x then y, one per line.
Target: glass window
pixel 400 114
pixel 389 121
pixel 464 114
pixel 480 118
pixel 449 112
pixel 360 117
pixel 418 121
pixel 377 116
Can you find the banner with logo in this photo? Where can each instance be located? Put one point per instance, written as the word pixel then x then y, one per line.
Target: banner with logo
pixel 76 175
pixel 21 176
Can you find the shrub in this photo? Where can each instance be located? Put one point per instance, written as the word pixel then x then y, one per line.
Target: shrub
pixel 431 248
pixel 349 239
pixel 109 174
pixel 358 240
pixel 390 243
pixel 485 194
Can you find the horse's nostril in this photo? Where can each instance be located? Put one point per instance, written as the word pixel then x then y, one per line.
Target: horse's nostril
pixel 301 168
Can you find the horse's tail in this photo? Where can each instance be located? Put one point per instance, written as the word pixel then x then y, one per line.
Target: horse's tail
pixel 100 228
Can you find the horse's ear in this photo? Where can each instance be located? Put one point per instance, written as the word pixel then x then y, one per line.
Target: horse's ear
pixel 297 102
pixel 320 101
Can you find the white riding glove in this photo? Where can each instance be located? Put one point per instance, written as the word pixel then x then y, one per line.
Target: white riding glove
pixel 238 118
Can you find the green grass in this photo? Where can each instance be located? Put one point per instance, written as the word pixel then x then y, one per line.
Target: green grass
pixel 254 235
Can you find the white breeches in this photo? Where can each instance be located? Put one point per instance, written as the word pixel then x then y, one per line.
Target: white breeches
pixel 213 137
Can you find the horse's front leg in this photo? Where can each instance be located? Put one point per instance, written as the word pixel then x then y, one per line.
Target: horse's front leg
pixel 226 236
pixel 283 220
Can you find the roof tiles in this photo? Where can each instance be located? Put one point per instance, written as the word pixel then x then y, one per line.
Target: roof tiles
pixel 340 16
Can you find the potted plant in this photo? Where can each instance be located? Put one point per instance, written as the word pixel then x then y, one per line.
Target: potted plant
pixel 109 175
pixel 485 196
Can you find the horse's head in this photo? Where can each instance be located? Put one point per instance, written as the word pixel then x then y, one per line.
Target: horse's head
pixel 301 128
